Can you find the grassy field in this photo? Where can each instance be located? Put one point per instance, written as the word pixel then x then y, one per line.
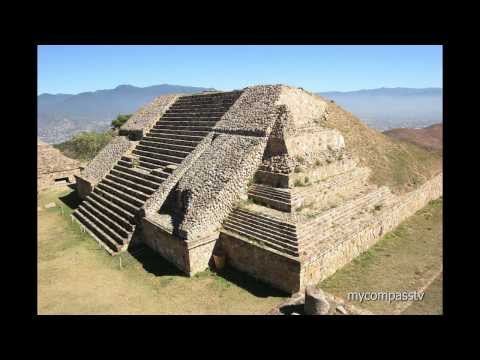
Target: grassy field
pixel 405 259
pixel 75 276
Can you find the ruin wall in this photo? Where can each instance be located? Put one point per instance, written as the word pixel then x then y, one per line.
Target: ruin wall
pixel 106 159
pixel 327 263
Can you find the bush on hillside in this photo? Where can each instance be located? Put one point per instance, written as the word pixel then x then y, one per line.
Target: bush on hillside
pixel 120 120
pixel 85 145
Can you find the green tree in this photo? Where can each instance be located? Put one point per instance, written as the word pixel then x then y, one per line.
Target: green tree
pixel 85 145
pixel 120 120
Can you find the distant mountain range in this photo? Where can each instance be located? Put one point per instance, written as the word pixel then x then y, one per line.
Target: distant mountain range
pixel 62 115
pixel 388 108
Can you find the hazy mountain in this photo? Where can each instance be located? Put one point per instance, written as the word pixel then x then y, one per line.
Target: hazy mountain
pixel 388 108
pixel 62 115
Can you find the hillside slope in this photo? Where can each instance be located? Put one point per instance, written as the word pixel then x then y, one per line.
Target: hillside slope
pixel 430 137
pixel 62 115
pixel 400 165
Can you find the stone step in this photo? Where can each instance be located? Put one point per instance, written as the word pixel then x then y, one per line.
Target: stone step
pixel 170 136
pixel 173 142
pixel 148 166
pixel 188 123
pixel 144 190
pixel 164 145
pixel 117 238
pixel 122 228
pixel 269 190
pixel 256 225
pixel 337 217
pixel 159 156
pixel 219 101
pixel 270 201
pixel 195 113
pixel 126 190
pixel 126 164
pixel 183 117
pixel 158 148
pixel 145 174
pixel 179 132
pixel 160 173
pixel 284 231
pixel 110 196
pixel 182 128
pixel 120 172
pixel 276 222
pixel 261 234
pixel 265 242
pixel 107 242
pixel 152 163
pixel 207 98
pixel 197 110
pixel 271 194
pixel 134 202
pixel 214 107
pixel 125 214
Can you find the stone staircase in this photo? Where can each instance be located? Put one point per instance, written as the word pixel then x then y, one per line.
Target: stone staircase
pixel 109 212
pixel 267 232
pixel 339 222
pixel 276 198
pixel 300 240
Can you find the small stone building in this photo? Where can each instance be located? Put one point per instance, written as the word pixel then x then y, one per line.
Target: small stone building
pixel 53 168
pixel 256 174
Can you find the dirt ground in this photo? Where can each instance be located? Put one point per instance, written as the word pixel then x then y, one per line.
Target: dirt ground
pixel 405 259
pixel 75 276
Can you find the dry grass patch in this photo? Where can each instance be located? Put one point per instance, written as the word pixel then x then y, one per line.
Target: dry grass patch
pixel 400 165
pixel 76 276
pixel 403 260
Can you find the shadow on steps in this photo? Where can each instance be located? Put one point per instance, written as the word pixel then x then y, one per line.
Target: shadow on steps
pixel 72 200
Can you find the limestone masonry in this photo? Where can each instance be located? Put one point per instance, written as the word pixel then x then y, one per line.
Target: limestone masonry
pixel 53 167
pixel 250 173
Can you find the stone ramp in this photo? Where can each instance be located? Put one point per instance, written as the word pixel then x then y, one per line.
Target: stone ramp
pixel 110 213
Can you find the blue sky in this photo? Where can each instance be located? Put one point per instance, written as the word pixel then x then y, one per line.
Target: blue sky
pixel 78 68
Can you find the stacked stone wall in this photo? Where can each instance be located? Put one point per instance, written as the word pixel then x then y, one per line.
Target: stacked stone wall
pixel 145 118
pixel 106 159
pixel 341 253
pixel 279 271
pixel 210 189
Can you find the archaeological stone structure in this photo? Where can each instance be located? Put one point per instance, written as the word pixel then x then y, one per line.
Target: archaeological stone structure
pixel 53 168
pixel 252 174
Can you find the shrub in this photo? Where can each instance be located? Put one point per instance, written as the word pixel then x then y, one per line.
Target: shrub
pixel 298 182
pixel 300 159
pixel 298 169
pixel 85 145
pixel 306 180
pixel 120 120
